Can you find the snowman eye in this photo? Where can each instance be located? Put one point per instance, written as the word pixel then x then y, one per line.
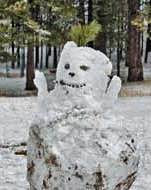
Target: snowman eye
pixel 67 66
pixel 84 67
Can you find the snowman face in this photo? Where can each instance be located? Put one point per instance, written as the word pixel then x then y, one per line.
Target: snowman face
pixel 73 71
pixel 79 68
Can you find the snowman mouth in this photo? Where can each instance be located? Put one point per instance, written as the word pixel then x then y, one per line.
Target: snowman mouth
pixel 72 85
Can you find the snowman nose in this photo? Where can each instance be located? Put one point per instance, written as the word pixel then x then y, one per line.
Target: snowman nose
pixel 71 74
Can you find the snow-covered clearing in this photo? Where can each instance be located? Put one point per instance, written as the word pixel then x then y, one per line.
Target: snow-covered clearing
pixel 16 115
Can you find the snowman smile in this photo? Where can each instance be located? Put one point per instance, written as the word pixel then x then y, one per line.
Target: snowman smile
pixel 72 85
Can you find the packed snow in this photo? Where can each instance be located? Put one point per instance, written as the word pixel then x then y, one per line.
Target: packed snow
pixel 16 115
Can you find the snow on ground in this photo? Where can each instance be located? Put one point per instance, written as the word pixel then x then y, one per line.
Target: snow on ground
pixel 136 113
pixel 16 115
pixel 16 86
pixel 12 85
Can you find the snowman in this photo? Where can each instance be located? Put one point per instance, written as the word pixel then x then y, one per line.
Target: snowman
pixel 73 144
pixel 83 79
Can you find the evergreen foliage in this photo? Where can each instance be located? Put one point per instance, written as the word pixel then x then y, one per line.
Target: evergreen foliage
pixel 82 34
pixel 103 24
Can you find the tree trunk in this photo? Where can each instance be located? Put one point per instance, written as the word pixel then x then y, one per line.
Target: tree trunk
pixel 22 62
pixel 18 56
pixel 119 34
pixel 81 12
pixel 148 41
pixel 13 47
pixel 90 17
pixel 37 54
pixel 41 58
pixel 100 42
pixel 135 72
pixel 30 72
pixel 118 60
pixel 30 68
pixel 90 11
pixel 48 53
pixel 142 43
pixel 35 15
pixel 148 49
pixel 55 57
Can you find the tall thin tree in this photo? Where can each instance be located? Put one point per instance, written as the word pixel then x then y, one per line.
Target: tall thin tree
pixel 148 41
pixel 30 73
pixel 135 71
pixel 90 16
pixel 30 69
pixel 81 12
pixel 13 45
pixel 101 40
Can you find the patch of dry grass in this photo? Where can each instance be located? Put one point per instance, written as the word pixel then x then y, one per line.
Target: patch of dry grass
pixel 132 89
pixel 10 75
pixel 4 93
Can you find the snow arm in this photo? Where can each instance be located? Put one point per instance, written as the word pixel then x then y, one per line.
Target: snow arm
pixel 114 87
pixel 112 91
pixel 41 84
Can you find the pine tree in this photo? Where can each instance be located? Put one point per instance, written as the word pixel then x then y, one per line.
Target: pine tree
pixel 135 72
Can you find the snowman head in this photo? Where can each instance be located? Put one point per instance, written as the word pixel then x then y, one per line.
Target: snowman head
pixel 83 69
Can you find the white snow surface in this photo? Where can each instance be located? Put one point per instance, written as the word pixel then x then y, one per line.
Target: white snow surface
pixel 89 141
pixel 16 116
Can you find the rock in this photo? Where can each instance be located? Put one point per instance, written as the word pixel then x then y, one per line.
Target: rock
pixel 21 152
pixel 75 141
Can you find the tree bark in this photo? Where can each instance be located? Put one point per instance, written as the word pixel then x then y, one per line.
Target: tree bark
pixel 22 62
pixel 35 15
pixel 90 11
pixel 48 53
pixel 81 12
pixel 41 57
pixel 148 49
pixel 30 68
pixel 100 42
pixel 18 56
pixel 30 72
pixel 148 41
pixel 37 53
pixel 90 17
pixel 55 57
pixel 135 72
pixel 13 47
